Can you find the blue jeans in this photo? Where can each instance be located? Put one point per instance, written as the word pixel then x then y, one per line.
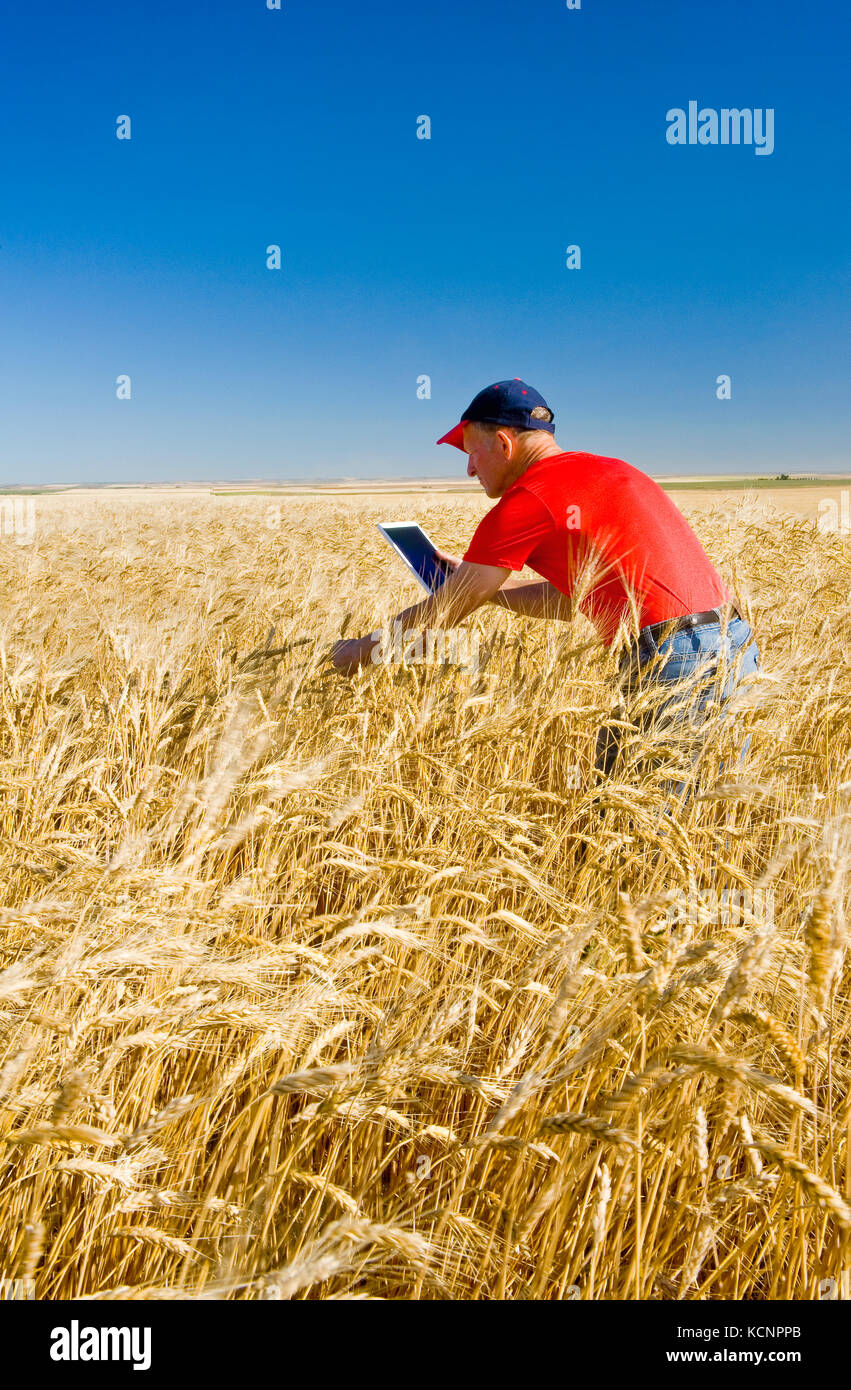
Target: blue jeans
pixel 697 665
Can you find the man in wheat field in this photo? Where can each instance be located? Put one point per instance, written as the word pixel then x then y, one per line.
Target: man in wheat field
pixel 606 540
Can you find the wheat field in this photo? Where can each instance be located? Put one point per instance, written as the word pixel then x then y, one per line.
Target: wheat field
pixel 323 988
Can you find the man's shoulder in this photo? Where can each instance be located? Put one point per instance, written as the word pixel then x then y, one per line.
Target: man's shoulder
pixel 579 459
pixel 521 504
pixel 577 470
pixel 554 473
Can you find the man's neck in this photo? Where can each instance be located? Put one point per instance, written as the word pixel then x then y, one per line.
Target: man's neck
pixel 533 451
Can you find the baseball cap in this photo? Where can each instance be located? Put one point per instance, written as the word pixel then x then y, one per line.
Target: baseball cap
pixel 504 403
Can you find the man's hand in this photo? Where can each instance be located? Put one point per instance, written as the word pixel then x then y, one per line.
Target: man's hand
pixel 465 590
pixel 348 656
pixel 450 560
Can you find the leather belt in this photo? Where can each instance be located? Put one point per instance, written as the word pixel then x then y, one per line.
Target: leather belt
pixel 669 626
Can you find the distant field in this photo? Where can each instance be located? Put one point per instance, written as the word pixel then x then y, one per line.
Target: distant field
pixel 719 485
pixel 428 486
pixel 749 484
pixel 797 496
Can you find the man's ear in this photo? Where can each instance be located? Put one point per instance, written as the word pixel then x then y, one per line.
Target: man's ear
pixel 506 442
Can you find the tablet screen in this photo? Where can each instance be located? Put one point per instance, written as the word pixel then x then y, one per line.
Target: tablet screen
pixel 418 550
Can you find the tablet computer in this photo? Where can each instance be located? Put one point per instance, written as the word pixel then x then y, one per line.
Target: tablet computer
pixel 411 542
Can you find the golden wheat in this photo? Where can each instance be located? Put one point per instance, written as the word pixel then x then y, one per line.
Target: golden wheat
pixel 323 988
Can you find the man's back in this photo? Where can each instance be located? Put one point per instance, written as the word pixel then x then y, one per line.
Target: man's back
pixel 582 520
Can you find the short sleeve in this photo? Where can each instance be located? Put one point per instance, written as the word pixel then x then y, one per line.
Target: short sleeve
pixel 510 532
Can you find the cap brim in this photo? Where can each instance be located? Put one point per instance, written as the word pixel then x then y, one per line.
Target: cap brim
pixel 455 437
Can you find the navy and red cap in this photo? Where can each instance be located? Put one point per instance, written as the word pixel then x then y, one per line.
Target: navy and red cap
pixel 504 403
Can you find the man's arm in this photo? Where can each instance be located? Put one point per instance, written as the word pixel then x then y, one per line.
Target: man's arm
pixel 466 589
pixel 534 598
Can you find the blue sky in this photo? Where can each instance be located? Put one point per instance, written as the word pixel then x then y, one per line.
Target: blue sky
pixel 404 257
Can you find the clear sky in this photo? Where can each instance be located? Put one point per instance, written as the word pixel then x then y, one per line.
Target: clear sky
pixel 406 257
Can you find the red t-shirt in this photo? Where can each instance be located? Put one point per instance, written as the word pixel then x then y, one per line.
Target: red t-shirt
pixel 599 529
